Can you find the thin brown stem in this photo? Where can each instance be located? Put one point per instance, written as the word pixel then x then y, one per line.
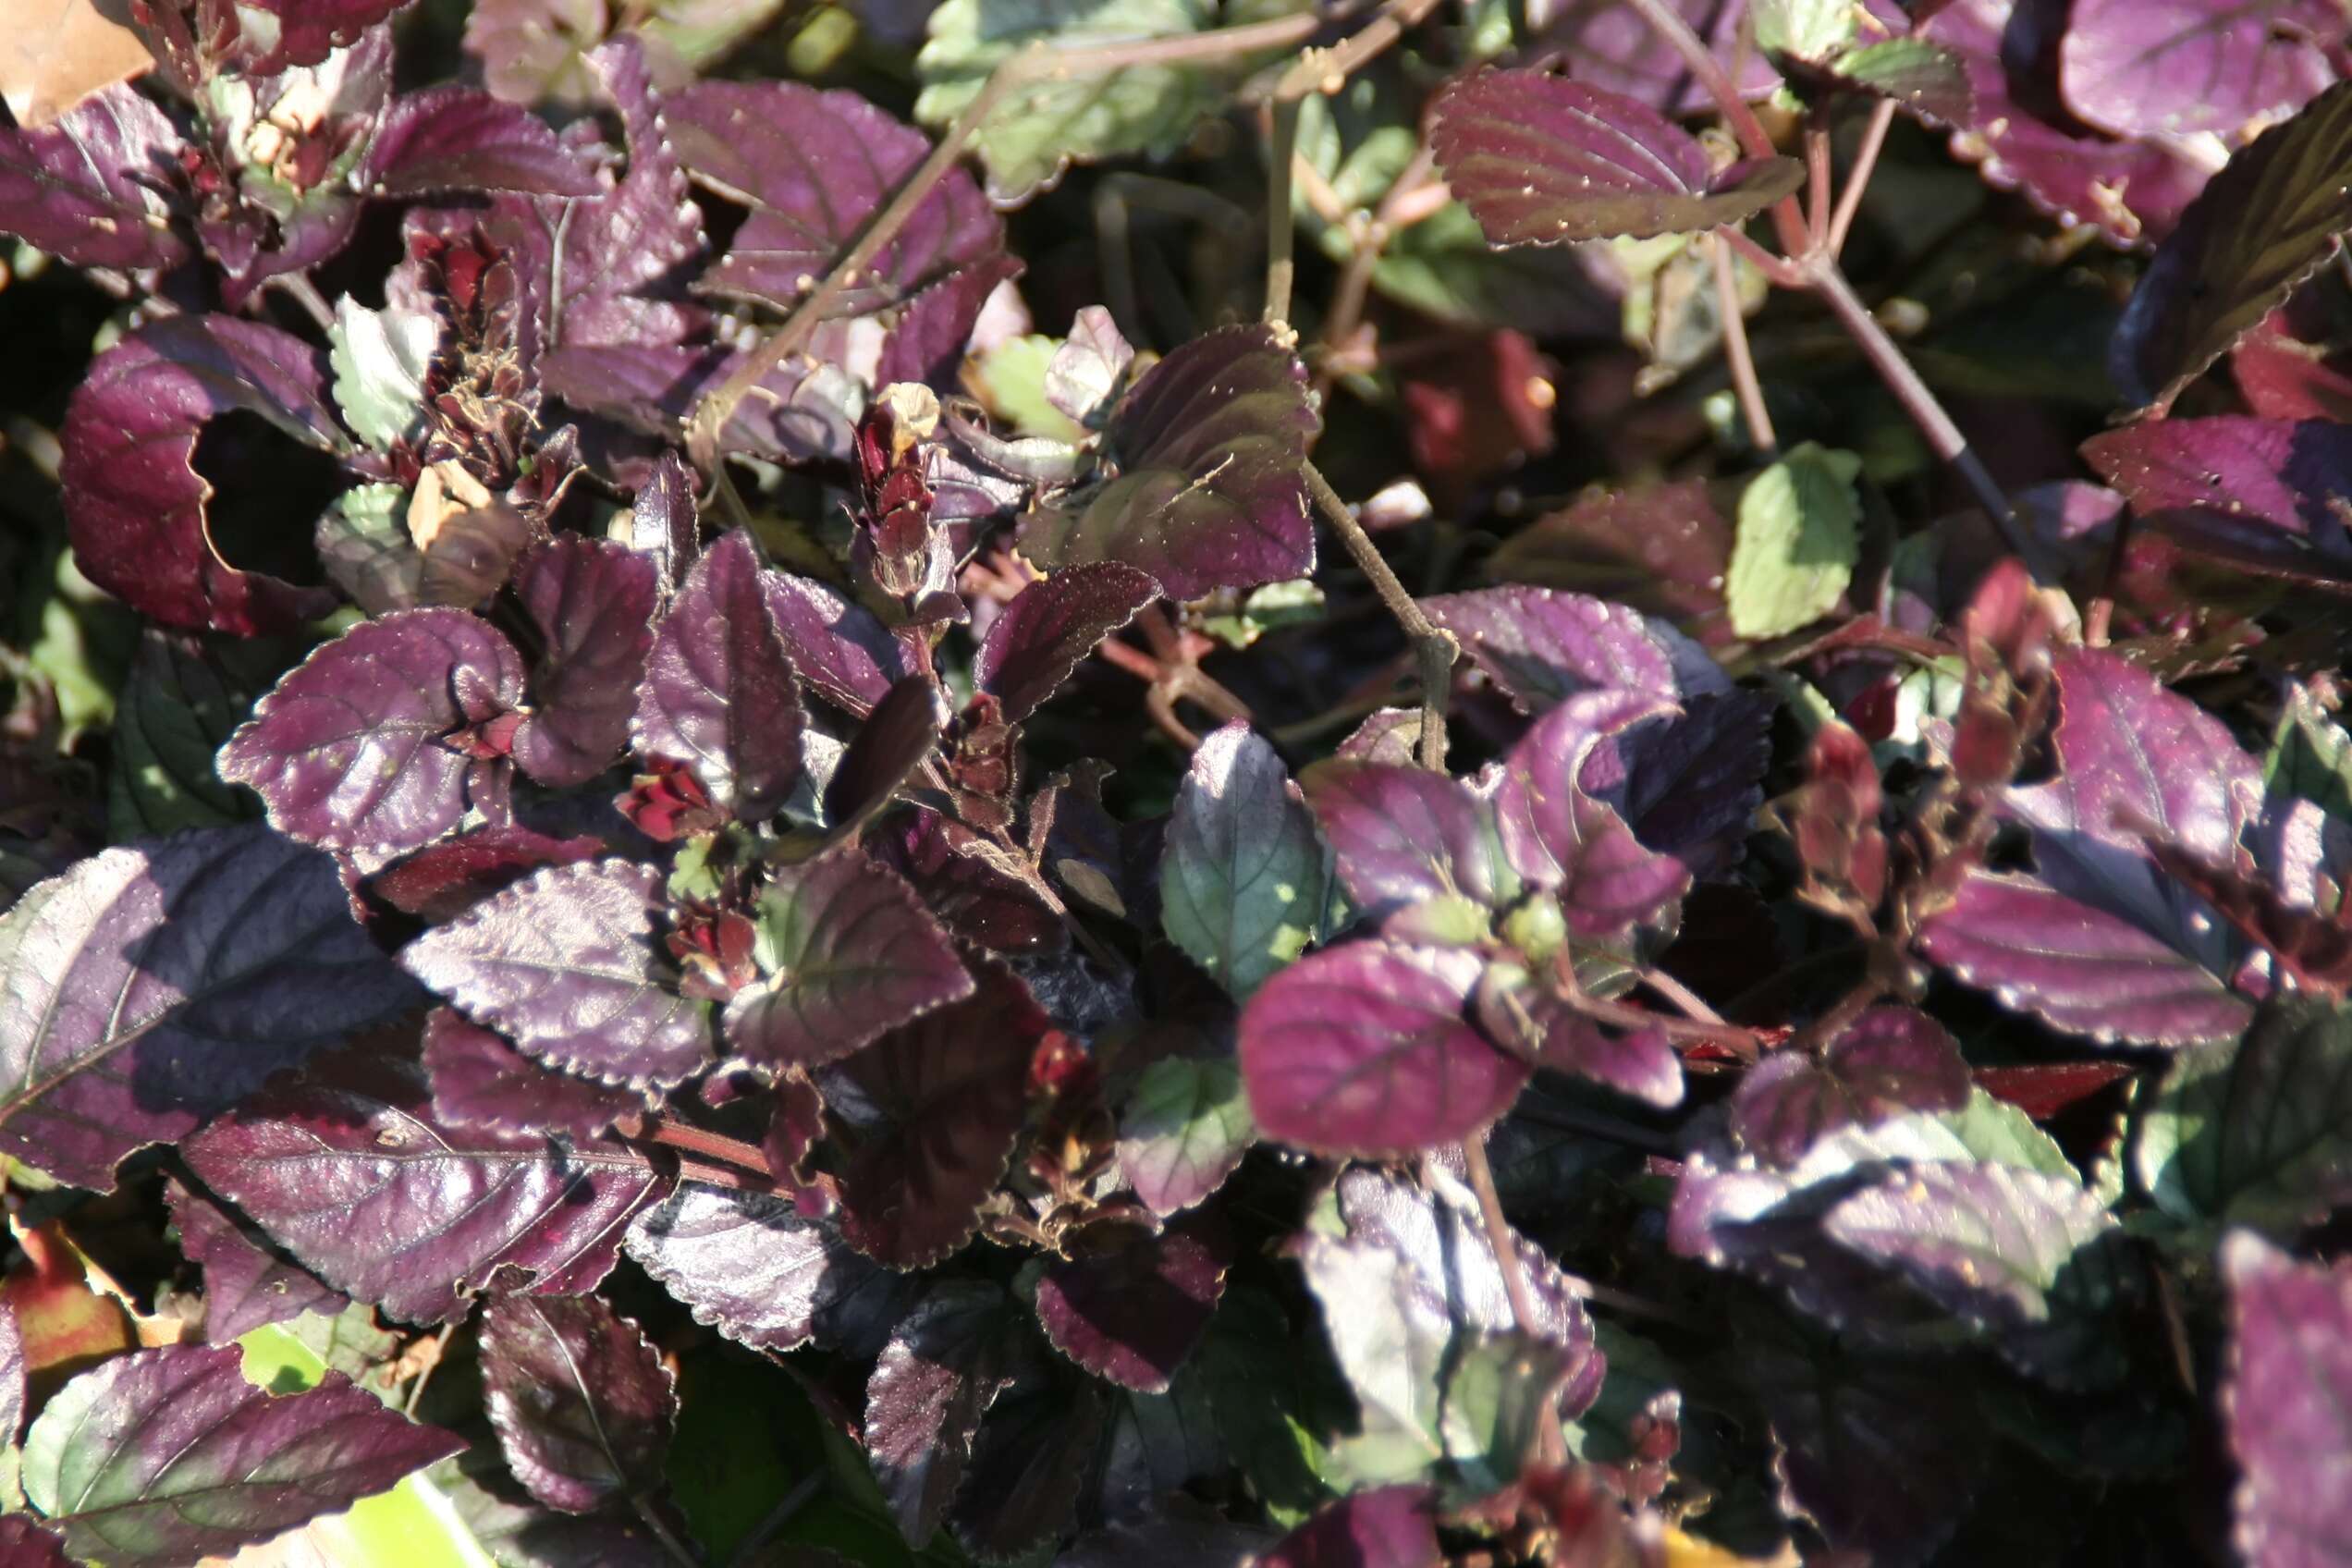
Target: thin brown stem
pixel 1737 354
pixel 1433 648
pixel 1690 1002
pixel 1783 272
pixel 1788 222
pixel 688 1139
pixel 1818 177
pixel 1858 178
pixel 424 1373
pixel 1282 266
pixel 1745 1043
pixel 1817 1035
pixel 1500 1236
pixel 686 1556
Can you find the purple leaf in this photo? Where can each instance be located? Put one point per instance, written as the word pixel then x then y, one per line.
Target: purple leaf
pixel 1689 786
pixel 2030 1259
pixel 898 737
pixel 1379 1527
pixel 24 1543
pixel 1364 1050
pixel 2266 483
pixel 933 331
pixel 2267 221
pixel 943 1368
pixel 1208 450
pixel 846 952
pixel 163 1456
pixel 98 185
pixel 1540 160
pixel 1134 1314
pixel 813 167
pixel 2174 67
pixel 12 1376
pixel 1889 1060
pixel 593 601
pixel 2288 1404
pixel 1612 47
pixel 136 504
pixel 347 1168
pixel 568 964
pixel 663 526
pixel 750 1266
pixel 1542 646
pixel 582 1405
pixel 1402 836
pixel 246 1284
pixel 481 1081
pixel 1185 1129
pixel 849 657
pixel 306 31
pixel 934 1109
pixel 1567 842
pixel 442 881
pixel 2016 131
pixel 1036 1455
pixel 719 694
pixel 357 747
pixel 1550 1031
pixel 1664 550
pixel 460 139
pixel 155 984
pixel 1050 627
pixel 967 885
pixel 1244 881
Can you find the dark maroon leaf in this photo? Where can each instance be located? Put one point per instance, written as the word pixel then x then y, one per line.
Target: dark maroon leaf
pixel 1402 836
pixel 968 886
pixel 133 498
pixel 461 138
pixel 568 963
pixel 347 1168
pixel 750 1266
pixel 2173 68
pixel 935 328
pixel 98 187
pixel 2283 377
pixel 1036 1456
pixel 662 523
pixel 1540 160
pixel 2044 1089
pixel 1664 550
pixel 2268 220
pixel 2288 1404
pixel 1549 1030
pixel 1364 1050
pixel 898 737
pixel 442 881
pixel 934 1109
pixel 846 952
pixel 1541 646
pixel 583 1404
pixel 1134 1314
pixel 155 984
pixel 1049 629
pixel 163 1456
pixel 359 747
pixel 813 167
pixel 719 694
pixel 24 1543
pixel 481 1081
pixel 2254 477
pixel 837 645
pixel 1689 786
pixel 1205 488
pixel 280 35
pixel 944 1367
pixel 1380 1527
pixel 1572 844
pixel 246 1283
pixel 1889 1060
pixel 593 602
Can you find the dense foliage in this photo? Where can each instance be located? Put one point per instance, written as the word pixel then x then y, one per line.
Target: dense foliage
pixel 720 844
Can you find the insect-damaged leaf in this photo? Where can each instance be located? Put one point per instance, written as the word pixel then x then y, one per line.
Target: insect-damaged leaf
pixel 582 1405
pixel 718 693
pixel 1244 879
pixel 593 602
pixel 947 1362
pixel 2289 1403
pixel 568 963
pixel 846 951
pixel 1363 1050
pixel 94 187
pixel 1134 1314
pixel 2268 220
pixel 1540 160
pixel 1185 1128
pixel 1051 626
pixel 162 1456
pixel 1208 488
pixel 347 1168
pixel 934 1108
pixel 360 746
pixel 755 1268
pixel 157 983
pixel 133 498
pixel 481 1081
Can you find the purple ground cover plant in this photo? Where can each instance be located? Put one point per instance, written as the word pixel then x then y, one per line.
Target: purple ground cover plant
pixel 1371 786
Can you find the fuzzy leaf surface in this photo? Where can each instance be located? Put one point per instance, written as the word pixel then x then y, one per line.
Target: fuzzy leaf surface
pixel 582 1405
pixel 462 139
pixel 246 1284
pixel 845 655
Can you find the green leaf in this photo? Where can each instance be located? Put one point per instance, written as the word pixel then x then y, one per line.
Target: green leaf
pixel 1185 1128
pixel 2311 757
pixel 1795 547
pixel 1246 882
pixel 701 31
pixel 1277 604
pixel 1497 1393
pixel 185 696
pixel 1912 72
pixel 380 357
pixel 2258 1132
pixel 1810 29
pixel 363 542
pixel 1038 132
